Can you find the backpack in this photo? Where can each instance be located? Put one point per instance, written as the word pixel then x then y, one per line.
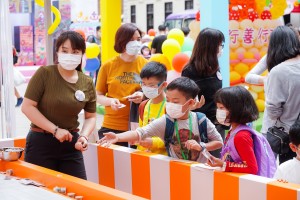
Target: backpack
pixel 142 108
pixel 264 155
pixel 169 131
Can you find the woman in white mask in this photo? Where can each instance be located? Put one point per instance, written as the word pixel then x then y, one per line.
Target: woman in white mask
pixel 118 81
pixel 204 69
pixel 54 97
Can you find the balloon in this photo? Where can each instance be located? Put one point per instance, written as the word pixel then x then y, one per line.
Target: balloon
pixel 188 44
pixel 92 50
pixel 260 105
pixel 179 61
pixel 92 64
pixel 176 34
pixel 188 53
pixel 234 76
pixel 257 88
pixel 241 68
pixel 151 32
pixel 254 95
pixel 172 74
pixel 56 12
pixel 170 48
pixel 161 59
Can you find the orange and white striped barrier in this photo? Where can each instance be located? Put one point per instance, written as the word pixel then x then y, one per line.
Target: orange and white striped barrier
pixel 159 177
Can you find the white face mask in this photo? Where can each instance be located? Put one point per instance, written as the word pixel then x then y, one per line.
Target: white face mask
pixel 150 92
pixel 69 61
pixel 174 110
pixel 220 53
pixel 221 117
pixel 133 47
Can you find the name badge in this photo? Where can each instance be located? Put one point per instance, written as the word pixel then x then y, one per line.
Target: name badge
pixel 79 95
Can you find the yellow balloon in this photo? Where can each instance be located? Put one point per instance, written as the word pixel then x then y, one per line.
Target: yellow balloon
pixel 234 76
pixel 170 48
pixel 260 105
pixel 241 68
pixel 92 50
pixel 254 95
pixel 257 88
pixel 261 95
pixel 57 14
pixel 161 59
pixel 176 34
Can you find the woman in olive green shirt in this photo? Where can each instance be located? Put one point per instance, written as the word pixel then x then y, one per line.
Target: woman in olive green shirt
pixel 54 97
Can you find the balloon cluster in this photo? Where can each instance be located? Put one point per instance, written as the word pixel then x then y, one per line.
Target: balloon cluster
pixel 254 9
pixel 176 52
pixel 248 44
pixel 92 52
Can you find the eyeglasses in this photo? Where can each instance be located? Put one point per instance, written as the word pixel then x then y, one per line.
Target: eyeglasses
pixel 152 86
pixel 222 45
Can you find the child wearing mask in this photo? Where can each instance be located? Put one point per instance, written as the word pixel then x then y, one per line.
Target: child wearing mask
pixel 289 170
pixel 154 76
pixel 145 51
pixel 185 142
pixel 241 151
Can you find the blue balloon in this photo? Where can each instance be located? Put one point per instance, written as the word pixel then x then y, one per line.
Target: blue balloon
pixel 92 64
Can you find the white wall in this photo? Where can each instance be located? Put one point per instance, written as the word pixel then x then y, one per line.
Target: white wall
pixel 159 11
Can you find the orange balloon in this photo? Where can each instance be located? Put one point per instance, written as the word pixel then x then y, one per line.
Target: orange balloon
pixel 151 32
pixel 179 61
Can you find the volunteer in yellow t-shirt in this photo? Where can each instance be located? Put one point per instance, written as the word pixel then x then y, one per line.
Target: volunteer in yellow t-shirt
pixel 154 76
pixel 119 80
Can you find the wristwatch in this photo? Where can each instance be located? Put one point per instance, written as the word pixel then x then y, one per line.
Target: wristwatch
pixel 203 146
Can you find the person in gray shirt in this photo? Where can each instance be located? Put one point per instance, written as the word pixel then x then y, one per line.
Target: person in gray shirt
pixel 283 83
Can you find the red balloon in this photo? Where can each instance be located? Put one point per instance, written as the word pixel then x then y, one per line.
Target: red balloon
pixel 197 16
pixel 179 61
pixel 151 32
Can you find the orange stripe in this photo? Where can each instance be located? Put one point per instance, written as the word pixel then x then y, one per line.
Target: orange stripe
pixel 278 190
pixel 20 142
pixel 180 180
pixel 106 166
pixel 140 169
pixel 226 185
pixel 52 178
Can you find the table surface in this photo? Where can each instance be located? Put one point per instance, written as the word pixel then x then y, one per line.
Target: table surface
pixel 14 190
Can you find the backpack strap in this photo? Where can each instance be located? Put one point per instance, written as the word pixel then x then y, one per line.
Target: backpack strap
pixel 202 126
pixel 169 130
pixel 142 108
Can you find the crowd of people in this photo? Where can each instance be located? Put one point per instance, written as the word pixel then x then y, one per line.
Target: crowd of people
pixel 172 120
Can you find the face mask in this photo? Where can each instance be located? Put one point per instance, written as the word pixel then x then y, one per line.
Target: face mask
pixel 69 61
pixel 220 53
pixel 150 92
pixel 221 117
pixel 133 47
pixel 174 110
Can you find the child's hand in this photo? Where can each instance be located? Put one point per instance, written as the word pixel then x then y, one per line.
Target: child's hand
pixel 136 97
pixel 108 139
pixel 198 104
pixel 192 144
pixel 216 162
pixel 146 143
pixel 115 104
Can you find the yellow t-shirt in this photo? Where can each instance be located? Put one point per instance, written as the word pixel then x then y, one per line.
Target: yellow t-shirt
pixel 119 79
pixel 156 111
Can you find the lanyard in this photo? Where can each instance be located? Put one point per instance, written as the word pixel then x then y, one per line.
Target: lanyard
pixel 160 109
pixel 185 157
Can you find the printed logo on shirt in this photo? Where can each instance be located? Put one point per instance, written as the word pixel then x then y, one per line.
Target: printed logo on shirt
pixel 129 78
pixel 184 136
